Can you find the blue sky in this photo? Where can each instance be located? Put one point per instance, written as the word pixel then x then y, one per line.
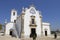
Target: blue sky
pixel 50 10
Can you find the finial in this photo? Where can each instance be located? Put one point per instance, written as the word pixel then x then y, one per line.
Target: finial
pixel 5 20
pixel 32 5
pixel 26 8
pixel 23 9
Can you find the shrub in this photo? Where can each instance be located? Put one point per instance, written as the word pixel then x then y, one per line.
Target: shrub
pixel 0 26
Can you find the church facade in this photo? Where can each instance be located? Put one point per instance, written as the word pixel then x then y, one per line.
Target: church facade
pixel 28 23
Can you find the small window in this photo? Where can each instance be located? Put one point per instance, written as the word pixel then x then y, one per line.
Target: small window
pixel 32 21
pixel 14 21
pixel 14 13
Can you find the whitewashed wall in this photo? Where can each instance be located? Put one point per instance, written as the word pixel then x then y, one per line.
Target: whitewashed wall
pixel 46 26
pixel 27 19
pixel 13 17
pixel 18 26
pixel 8 27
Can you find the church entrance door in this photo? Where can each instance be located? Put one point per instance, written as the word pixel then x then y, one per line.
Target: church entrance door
pixel 33 32
pixel 45 33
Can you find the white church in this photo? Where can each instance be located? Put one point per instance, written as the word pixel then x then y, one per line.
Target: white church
pixel 28 23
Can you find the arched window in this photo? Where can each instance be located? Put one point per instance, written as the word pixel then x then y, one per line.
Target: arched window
pixel 14 21
pixel 32 21
pixel 13 13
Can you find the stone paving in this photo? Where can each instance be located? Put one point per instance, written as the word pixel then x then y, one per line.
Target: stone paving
pixel 8 38
pixel 41 38
pixel 47 38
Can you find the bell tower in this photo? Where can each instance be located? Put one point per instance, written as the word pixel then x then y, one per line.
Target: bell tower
pixel 13 15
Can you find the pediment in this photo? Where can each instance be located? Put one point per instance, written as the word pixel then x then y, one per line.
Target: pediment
pixel 32 10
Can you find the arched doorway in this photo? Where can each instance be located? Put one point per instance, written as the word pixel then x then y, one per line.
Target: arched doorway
pixel 33 32
pixel 10 32
pixel 45 33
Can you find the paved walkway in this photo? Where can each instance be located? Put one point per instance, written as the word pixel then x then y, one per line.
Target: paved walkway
pixel 8 38
pixel 42 38
pixel 13 38
pixel 47 38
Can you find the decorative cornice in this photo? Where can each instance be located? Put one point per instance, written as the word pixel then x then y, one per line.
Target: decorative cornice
pixel 33 16
pixel 32 25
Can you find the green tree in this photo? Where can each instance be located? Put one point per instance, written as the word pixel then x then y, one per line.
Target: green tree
pixel 0 26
